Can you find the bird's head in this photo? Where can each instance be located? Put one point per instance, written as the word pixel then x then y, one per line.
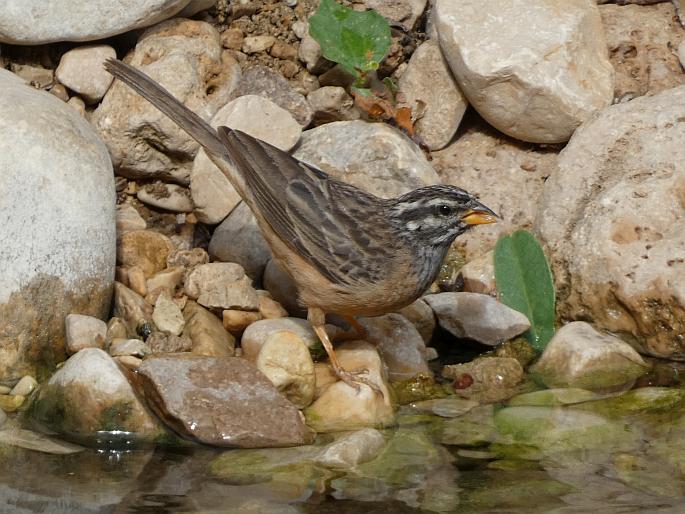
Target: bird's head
pixel 435 215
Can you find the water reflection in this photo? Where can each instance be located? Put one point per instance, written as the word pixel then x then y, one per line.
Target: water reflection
pixel 612 455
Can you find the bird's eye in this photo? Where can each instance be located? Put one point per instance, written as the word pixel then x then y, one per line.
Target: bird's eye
pixel 445 210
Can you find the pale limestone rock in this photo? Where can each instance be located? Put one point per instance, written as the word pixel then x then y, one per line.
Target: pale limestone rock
pixel 207 332
pixel 170 197
pixel 128 219
pixel 168 279
pixel 256 44
pixel 579 356
pixel 534 69
pixel 167 316
pixel 235 321
pixel 611 218
pixel 84 332
pixel 284 359
pixel 477 316
pixel 341 407
pixel 189 62
pixel 82 70
pixel 434 96
pixel 24 387
pixel 332 103
pixel 479 275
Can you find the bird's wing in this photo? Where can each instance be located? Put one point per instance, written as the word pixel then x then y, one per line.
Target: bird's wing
pixel 316 215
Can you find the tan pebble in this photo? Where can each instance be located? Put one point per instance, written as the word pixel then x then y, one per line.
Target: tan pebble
pixel 132 188
pixel 78 104
pixel 11 403
pixel 270 308
pixel 528 166
pixel 121 275
pixel 5 389
pixel 136 280
pixel 116 329
pixel 237 321
pixel 191 219
pixel 180 301
pixel 232 39
pixel 60 92
pixel 129 361
pixel 283 50
pixel 169 278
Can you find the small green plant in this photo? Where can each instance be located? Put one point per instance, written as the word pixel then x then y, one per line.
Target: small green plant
pixel 524 282
pixel 358 41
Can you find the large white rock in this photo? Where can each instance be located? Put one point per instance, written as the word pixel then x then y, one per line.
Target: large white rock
pixel 373 156
pixel 535 69
pixel 612 216
pixel 33 22
pixel 186 58
pixel 57 239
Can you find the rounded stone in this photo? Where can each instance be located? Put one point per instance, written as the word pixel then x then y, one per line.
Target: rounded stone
pixel 57 243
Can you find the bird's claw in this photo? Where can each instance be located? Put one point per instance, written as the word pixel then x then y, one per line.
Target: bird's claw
pixel 354 378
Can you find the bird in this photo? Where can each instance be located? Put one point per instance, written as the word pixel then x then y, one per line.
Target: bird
pixel 348 251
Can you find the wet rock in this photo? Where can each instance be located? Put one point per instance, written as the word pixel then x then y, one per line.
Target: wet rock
pixel 579 356
pixel 267 83
pixel 59 239
pixel 283 289
pixel 159 342
pixel 129 347
pixel 167 316
pixel 257 333
pixel 235 321
pixel 419 388
pixel 400 345
pixel 212 193
pixel 144 249
pixel 341 407
pixel 525 84
pixel 79 22
pixel 82 71
pixel 84 332
pixel 477 316
pixel 611 220
pixel 373 156
pixel 552 397
pixel 169 197
pixel 421 316
pixel 90 394
pixel 519 349
pixel 188 61
pixel 554 430
pixel 486 379
pixel 445 407
pixel 406 12
pixel 332 103
pixel 37 442
pixel 284 359
pixel 10 403
pixel 479 275
pixel 433 94
pixel 223 285
pixel 131 308
pixel 128 219
pixel 238 239
pixel 206 332
pixel 221 401
pixel 641 39
pixel 24 387
pixel 352 449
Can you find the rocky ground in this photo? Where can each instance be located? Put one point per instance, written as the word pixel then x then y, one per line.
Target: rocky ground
pixel 138 290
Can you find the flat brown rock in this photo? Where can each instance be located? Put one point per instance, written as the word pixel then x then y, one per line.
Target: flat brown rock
pixel 221 402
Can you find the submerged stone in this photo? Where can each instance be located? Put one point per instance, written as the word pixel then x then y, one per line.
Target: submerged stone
pixel 550 397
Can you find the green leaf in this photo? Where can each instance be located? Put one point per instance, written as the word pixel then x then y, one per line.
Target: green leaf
pixel 358 41
pixel 524 282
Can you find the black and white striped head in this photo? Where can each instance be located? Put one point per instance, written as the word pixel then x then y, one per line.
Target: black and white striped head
pixel 435 215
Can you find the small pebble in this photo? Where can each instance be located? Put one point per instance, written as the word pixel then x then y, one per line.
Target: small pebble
pixel 129 361
pixel 10 403
pixel 237 321
pixel 24 387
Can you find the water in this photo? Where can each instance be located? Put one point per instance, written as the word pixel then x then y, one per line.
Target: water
pixel 613 455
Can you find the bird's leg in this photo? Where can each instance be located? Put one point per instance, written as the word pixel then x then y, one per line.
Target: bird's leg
pixel 357 331
pixel 317 318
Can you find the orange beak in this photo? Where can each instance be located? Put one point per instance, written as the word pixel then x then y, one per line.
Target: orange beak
pixel 479 214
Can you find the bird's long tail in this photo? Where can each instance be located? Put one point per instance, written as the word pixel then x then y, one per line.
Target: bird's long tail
pixel 190 122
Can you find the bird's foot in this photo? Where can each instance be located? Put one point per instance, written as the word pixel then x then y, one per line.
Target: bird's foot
pixel 354 378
